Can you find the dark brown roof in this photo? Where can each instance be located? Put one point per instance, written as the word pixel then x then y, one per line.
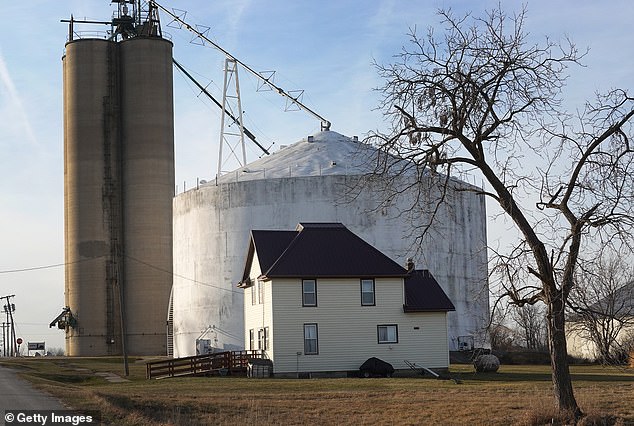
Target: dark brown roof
pixel 270 245
pixel 319 250
pixel 424 294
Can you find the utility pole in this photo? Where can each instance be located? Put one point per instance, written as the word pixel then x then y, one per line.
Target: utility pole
pixel 9 308
pixel 4 341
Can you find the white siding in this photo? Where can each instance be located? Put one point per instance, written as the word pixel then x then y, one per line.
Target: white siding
pixel 579 345
pixel 348 331
pixel 259 315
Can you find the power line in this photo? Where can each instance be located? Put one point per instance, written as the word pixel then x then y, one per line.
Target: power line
pixel 57 265
pixel 34 268
pixel 182 276
pixel 37 268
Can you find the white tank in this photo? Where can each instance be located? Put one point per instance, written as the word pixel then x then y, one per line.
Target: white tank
pixel 316 180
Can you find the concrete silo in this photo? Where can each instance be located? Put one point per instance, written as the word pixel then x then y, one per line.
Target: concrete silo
pixel 147 130
pixel 316 180
pixel 91 197
pixel 119 184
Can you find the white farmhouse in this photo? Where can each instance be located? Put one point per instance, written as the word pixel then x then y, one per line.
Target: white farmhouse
pixel 321 299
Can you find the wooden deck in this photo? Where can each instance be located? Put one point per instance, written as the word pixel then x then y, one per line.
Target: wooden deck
pixel 231 362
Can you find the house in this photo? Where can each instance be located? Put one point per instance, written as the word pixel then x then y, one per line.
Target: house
pixel 609 322
pixel 321 299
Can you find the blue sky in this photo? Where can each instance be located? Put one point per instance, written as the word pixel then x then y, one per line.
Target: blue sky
pixel 324 47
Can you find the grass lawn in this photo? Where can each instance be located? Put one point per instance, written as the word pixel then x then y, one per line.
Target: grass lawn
pixel 515 395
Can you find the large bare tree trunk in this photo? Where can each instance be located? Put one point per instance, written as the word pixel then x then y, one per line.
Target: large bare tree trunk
pixel 562 381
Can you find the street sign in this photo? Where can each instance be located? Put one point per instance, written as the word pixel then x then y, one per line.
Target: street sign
pixel 19 340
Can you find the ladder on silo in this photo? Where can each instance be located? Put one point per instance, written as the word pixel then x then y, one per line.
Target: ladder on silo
pixel 170 325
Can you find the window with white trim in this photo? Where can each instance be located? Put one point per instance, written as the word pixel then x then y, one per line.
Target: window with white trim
pixel 311 339
pixel 252 339
pixel 253 293
pixel 260 291
pixel 266 338
pixel 367 292
pixel 387 333
pixel 309 293
pixel 263 339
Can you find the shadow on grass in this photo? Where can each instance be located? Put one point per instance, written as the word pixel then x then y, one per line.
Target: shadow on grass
pixel 537 377
pixel 504 377
pixel 67 378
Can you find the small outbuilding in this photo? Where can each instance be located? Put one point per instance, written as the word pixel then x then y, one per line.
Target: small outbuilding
pixel 320 299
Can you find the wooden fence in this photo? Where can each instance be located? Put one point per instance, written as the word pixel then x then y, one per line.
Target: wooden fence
pixel 231 362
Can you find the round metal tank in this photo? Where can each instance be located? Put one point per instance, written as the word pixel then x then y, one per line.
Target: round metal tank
pixel 90 195
pixel 316 180
pixel 147 131
pixel 119 185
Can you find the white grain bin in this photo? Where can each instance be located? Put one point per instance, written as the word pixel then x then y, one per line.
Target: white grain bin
pixel 315 180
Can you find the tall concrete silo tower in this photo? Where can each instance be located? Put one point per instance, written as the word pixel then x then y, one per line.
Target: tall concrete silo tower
pixel 119 185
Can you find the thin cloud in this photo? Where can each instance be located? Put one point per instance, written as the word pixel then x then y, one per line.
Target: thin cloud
pixel 235 10
pixel 15 101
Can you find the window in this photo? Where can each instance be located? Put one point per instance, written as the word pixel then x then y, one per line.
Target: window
pixel 260 291
pixel 309 293
pixel 387 333
pixel 257 292
pixel 252 339
pixel 263 338
pixel 311 346
pixel 367 293
pixel 266 338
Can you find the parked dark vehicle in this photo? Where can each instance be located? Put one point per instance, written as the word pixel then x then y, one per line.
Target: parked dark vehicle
pixel 376 367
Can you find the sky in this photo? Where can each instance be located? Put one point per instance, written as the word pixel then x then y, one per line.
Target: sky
pixel 324 47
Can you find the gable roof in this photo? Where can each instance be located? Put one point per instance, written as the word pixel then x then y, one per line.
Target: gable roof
pixel 424 294
pixel 620 301
pixel 318 250
pixel 624 296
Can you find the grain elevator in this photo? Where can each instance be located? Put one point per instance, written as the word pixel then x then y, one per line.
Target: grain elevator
pixel 148 273
pixel 118 185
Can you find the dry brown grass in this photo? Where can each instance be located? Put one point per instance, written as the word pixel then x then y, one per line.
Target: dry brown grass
pixel 517 395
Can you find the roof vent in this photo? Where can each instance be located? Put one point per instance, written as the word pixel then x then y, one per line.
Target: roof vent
pixel 310 139
pixel 355 138
pixel 333 163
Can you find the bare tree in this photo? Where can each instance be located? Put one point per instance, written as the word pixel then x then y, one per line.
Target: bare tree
pixel 531 324
pixel 55 351
pixel 602 305
pixel 502 337
pixel 480 99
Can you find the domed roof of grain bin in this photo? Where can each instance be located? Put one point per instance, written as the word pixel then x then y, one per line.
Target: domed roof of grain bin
pixel 324 153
